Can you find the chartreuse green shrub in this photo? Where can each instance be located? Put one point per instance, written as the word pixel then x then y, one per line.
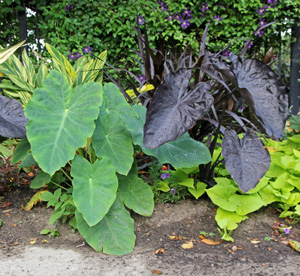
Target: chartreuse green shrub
pixel 280 185
pixel 83 138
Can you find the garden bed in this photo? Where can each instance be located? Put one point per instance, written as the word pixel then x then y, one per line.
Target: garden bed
pixel 25 252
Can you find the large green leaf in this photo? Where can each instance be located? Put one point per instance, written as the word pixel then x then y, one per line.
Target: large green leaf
pixel 94 187
pixel 220 194
pixel 110 139
pixel 113 235
pixel 136 194
pixel 60 120
pixel 21 151
pixel 114 102
pixel 184 152
pixel 228 220
pixel 246 203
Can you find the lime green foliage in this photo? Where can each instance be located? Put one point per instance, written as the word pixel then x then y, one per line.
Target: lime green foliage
pixel 63 204
pixel 51 233
pixel 281 184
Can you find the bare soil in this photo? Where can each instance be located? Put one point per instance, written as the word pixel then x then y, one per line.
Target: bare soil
pixel 23 251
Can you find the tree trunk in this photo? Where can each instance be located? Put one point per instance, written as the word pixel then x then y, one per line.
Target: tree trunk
pixel 23 25
pixel 295 69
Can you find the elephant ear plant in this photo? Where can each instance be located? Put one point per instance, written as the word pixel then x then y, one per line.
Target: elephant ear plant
pixel 204 99
pixel 83 140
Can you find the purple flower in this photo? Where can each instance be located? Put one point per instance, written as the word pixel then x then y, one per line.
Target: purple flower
pixel 274 2
pixel 74 55
pixel 163 6
pixel 262 10
pixel 249 44
pixel 187 12
pixel 173 191
pixel 69 7
pixel 140 20
pixel 218 17
pixel 226 53
pixel 167 175
pixel 286 230
pixel 87 49
pixel 141 78
pixel 204 7
pixel 177 17
pixel 185 23
pixel 262 22
pixel 258 33
pixel 241 109
pixel 162 176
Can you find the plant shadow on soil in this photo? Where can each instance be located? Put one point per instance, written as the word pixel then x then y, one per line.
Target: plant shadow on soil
pixel 185 219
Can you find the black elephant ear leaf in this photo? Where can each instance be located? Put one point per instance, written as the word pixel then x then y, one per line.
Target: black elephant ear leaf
pixel 12 119
pixel 174 108
pixel 264 92
pixel 247 160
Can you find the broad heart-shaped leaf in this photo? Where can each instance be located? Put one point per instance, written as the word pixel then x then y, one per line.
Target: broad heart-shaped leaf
pixel 136 194
pixel 12 119
pixel 174 108
pixel 184 152
pixel 21 151
pixel 247 160
pixel 61 119
pixel 111 139
pixel 264 92
pixel 94 187
pixel 113 235
pixel 114 102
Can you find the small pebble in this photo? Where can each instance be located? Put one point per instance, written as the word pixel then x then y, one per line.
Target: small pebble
pixel 234 248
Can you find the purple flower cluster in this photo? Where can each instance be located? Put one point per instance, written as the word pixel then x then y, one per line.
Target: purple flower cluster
pixel 140 20
pixel 69 7
pixel 226 53
pixel 261 11
pixel 251 43
pixel 74 55
pixel 141 78
pixel 173 191
pixel 204 7
pixel 164 176
pixel 218 17
pixel 183 18
pixel 77 55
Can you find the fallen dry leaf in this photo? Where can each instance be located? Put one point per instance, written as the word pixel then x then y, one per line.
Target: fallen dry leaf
pixel 33 240
pixel 34 200
pixel 155 271
pixel 188 245
pixel 5 204
pixel 176 238
pixel 30 174
pixel 44 241
pixel 209 241
pixel 295 245
pixel 159 251
pixel 255 241
pixel 6 211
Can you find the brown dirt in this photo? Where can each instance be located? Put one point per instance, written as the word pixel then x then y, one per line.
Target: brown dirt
pixel 68 255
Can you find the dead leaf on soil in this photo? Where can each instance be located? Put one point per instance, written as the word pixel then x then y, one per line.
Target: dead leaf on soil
pixel 33 240
pixel 5 204
pixel 34 200
pixel 159 251
pixel 188 245
pixel 295 245
pixel 255 242
pixel 44 241
pixel 209 241
pixel 155 271
pixel 176 238
pixel 6 211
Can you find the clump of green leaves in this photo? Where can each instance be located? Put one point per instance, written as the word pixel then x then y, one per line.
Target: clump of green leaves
pixel 51 233
pixel 280 186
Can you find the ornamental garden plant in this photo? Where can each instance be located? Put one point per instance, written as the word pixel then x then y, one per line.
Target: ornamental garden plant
pixel 205 113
